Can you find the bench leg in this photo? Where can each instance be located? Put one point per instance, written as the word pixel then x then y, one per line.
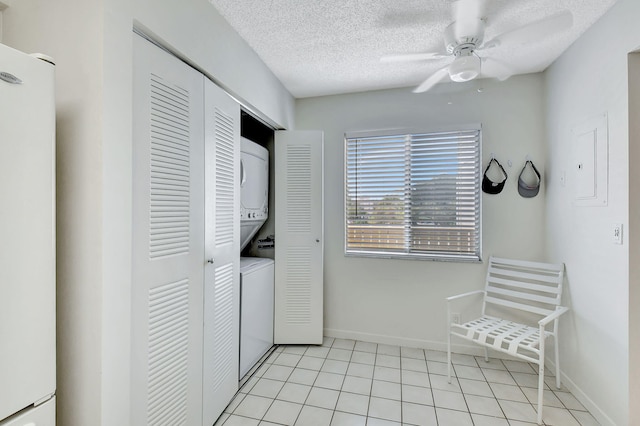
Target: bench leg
pixel 540 374
pixel 448 343
pixel 449 356
pixel 486 354
pixel 557 354
pixel 540 390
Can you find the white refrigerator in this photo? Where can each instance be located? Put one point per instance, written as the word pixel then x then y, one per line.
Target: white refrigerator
pixel 27 240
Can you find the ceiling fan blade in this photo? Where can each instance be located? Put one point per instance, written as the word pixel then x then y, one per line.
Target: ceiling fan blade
pixel 494 68
pixel 467 15
pixel 533 31
pixel 434 79
pixel 411 57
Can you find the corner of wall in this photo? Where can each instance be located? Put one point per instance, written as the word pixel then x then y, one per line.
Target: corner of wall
pixel 50 27
pixel 3 5
pixel 634 230
pixel 583 83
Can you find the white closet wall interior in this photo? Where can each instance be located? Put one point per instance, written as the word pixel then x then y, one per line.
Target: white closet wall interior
pixel 185 261
pixel 299 237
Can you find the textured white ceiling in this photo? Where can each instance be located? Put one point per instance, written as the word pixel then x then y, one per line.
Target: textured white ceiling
pixel 322 47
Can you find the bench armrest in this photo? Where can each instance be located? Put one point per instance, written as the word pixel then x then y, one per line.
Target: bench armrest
pixel 460 296
pixel 559 311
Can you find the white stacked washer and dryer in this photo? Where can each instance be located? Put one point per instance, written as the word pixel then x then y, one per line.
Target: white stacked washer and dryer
pixel 256 274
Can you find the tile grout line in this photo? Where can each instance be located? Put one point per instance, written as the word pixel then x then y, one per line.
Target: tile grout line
pixel 287 381
pixel 491 389
pixel 351 362
pixel 273 400
pixel 433 397
pixel 466 404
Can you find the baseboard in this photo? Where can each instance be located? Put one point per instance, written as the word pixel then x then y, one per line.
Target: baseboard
pixel 410 343
pixel 581 396
pixel 475 350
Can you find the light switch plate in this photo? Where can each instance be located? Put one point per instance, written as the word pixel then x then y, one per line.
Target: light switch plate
pixel 617 233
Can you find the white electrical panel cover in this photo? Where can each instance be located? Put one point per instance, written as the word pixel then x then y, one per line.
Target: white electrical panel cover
pixel 590 161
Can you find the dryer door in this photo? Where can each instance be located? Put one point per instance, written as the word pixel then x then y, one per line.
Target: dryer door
pixel 254 183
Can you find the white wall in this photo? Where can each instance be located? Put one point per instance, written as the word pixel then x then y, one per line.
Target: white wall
pixel 92 45
pixel 402 301
pixel 34 27
pixel 591 79
pixel 634 232
pixel 196 32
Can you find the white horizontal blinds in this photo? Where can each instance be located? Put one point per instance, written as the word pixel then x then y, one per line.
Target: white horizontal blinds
pixel 445 193
pixel 414 195
pixel 375 194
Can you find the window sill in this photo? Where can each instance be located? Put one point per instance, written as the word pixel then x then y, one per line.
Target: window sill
pixel 397 256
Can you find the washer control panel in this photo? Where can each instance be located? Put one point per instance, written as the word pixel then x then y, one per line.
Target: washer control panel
pixel 251 214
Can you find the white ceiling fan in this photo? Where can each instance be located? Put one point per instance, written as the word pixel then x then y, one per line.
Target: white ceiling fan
pixel 465 37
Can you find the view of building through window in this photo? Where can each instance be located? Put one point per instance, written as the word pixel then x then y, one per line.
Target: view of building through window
pixel 414 195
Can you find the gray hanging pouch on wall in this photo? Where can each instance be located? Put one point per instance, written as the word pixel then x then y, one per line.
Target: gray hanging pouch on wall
pixel 525 189
pixel 489 186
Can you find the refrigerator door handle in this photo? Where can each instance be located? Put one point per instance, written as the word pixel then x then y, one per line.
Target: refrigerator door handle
pixel 9 78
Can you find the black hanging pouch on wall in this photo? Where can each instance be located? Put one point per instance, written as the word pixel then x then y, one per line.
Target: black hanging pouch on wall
pixel 524 189
pixel 488 185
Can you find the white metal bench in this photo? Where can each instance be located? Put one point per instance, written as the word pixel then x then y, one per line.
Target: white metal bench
pixel 516 289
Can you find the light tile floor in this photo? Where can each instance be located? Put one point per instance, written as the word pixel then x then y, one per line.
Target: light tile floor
pixel 354 383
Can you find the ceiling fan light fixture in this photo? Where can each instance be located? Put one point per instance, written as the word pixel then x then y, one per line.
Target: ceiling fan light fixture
pixel 464 68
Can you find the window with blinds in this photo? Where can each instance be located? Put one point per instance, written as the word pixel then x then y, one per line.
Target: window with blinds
pixel 414 195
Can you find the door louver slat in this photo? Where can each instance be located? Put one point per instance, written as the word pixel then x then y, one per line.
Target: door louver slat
pixel 170 176
pixel 299 188
pixel 168 353
pixel 223 324
pixel 224 178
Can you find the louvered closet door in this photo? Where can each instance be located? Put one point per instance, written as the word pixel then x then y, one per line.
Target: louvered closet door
pixel 299 237
pixel 222 246
pixel 168 239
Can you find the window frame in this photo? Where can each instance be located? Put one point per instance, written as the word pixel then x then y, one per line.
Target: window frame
pixel 403 132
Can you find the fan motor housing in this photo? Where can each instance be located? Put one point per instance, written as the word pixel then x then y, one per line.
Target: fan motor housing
pixel 464 45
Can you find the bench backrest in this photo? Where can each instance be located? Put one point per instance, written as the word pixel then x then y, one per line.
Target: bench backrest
pixel 526 286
